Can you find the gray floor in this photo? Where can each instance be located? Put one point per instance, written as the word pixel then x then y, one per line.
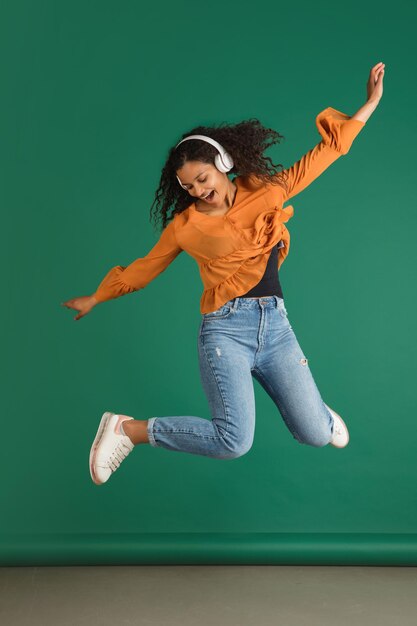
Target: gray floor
pixel 208 595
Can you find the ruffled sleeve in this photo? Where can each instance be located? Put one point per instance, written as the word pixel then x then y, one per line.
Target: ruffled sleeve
pixel 122 280
pixel 338 131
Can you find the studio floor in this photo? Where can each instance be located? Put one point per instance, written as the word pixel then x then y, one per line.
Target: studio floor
pixel 190 595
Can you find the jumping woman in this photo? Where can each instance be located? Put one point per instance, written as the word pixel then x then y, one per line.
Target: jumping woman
pixel 235 230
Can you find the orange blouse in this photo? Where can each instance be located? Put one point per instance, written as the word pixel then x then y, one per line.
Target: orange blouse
pixel 232 250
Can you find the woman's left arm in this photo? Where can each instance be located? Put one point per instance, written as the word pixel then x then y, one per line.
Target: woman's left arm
pixel 338 132
pixel 374 89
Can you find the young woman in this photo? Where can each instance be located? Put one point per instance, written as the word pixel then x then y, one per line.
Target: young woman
pixel 235 230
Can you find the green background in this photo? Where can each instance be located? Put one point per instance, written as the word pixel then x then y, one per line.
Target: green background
pixel 93 96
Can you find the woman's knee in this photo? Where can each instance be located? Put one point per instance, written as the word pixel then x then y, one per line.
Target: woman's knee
pixel 235 449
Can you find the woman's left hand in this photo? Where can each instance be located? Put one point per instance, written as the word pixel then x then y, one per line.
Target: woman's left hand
pixel 374 84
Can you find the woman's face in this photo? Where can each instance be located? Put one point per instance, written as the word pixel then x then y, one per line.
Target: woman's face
pixel 204 179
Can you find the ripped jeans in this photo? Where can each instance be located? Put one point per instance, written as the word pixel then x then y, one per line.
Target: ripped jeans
pixel 245 338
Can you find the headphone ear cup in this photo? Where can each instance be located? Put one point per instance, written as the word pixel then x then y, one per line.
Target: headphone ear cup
pixel 223 164
pixel 219 163
pixel 181 183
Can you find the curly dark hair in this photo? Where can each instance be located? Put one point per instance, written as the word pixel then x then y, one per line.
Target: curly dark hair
pixel 245 142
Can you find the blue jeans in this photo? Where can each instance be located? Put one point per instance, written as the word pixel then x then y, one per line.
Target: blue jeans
pixel 245 338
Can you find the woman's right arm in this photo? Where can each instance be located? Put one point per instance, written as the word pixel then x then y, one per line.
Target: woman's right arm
pixel 121 280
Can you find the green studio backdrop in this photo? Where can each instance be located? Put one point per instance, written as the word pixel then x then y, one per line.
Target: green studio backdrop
pixel 94 94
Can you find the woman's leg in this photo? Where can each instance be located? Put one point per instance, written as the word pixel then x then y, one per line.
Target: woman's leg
pixel 225 369
pixel 282 369
pixel 136 430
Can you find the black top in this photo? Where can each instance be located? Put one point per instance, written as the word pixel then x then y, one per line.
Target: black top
pixel 269 284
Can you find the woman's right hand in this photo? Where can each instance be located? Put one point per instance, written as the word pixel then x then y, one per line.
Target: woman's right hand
pixel 83 304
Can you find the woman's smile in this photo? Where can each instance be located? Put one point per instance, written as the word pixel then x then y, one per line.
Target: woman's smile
pixel 209 197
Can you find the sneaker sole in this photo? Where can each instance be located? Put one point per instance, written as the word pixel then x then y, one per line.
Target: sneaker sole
pixel 348 436
pixel 102 426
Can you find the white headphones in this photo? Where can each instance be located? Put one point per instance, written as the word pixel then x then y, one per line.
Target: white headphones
pixel 223 161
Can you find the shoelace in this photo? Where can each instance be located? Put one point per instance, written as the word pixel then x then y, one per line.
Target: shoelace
pixel 118 455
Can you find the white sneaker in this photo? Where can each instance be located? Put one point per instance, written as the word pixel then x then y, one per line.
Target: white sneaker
pixel 110 447
pixel 340 438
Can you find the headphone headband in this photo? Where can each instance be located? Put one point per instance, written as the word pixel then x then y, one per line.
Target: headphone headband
pixel 223 161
